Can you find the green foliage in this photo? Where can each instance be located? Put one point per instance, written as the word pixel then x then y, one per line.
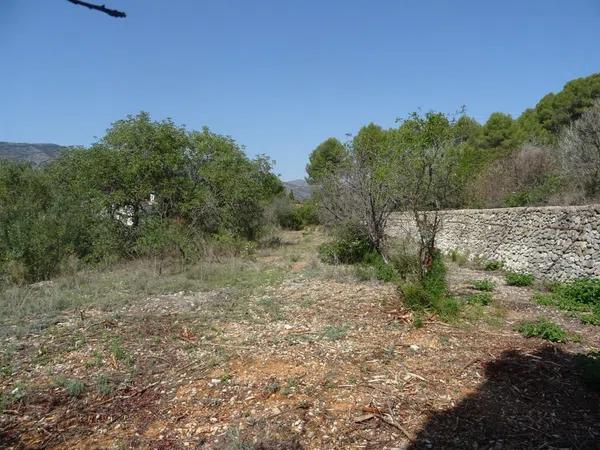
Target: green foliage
pixel 335 332
pixel 482 298
pixel 493 264
pixel 501 133
pixel 483 285
pixel 350 246
pixel 434 281
pixel 72 386
pixel 519 279
pixel 146 188
pixel 579 297
pixel 383 271
pixel 586 291
pixel 431 294
pixel 554 111
pixel 325 159
pixel 544 329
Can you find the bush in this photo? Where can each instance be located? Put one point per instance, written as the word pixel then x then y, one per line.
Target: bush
pixel 483 298
pixel 544 329
pixel 519 279
pixel 483 285
pixel 431 293
pixel 435 278
pixel 586 291
pixel 580 297
pixel 350 247
pixel 493 265
pixel 308 213
pixel 404 258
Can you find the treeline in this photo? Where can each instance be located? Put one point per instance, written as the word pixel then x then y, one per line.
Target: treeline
pixel 147 188
pixel 435 161
pixel 518 162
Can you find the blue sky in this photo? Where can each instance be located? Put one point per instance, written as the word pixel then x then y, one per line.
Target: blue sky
pixel 280 76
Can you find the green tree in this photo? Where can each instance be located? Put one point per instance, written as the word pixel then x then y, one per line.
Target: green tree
pixel 501 133
pixel 325 159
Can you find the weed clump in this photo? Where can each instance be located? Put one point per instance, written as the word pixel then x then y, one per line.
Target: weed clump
pixel 482 298
pixel 519 279
pixel 493 264
pixel 353 247
pixel 579 297
pixel 544 329
pixel 483 285
pixel 431 293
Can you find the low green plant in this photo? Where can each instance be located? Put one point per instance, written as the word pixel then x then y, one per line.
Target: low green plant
pixel 431 293
pixel 72 386
pixel 519 279
pixel 350 246
pixel 103 385
pixel 580 297
pixel 493 264
pixel 544 329
pixel 335 332
pixel 483 285
pixel 482 298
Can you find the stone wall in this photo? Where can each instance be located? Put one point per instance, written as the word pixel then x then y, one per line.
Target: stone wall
pixel 556 243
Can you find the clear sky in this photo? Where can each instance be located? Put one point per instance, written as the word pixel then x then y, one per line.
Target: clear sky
pixel 280 76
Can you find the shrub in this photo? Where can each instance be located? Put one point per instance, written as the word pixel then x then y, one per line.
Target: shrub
pixel 483 285
pixel 308 213
pixel 580 297
pixel 430 294
pixel 519 279
pixel 435 278
pixel 72 386
pixel 586 291
pixel 483 298
pixel 403 256
pixel 351 246
pixel 544 329
pixel 493 265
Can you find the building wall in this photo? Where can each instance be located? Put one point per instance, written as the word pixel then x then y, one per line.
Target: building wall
pixel 556 243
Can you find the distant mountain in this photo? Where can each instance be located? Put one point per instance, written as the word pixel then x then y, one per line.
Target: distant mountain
pixel 301 189
pixel 34 153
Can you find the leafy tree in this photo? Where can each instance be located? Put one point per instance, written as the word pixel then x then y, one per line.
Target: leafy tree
pixel 500 133
pixel 556 111
pixel 427 175
pixel 325 159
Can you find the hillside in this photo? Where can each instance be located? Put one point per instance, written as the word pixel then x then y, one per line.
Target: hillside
pixel 34 153
pixel 300 188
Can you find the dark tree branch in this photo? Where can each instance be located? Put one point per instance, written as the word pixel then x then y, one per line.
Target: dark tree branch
pixel 101 8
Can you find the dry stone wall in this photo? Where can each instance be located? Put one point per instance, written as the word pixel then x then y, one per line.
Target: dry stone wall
pixel 555 243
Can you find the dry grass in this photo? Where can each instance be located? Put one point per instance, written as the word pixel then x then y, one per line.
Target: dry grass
pixel 281 351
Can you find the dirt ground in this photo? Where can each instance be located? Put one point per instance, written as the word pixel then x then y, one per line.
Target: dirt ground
pixel 314 359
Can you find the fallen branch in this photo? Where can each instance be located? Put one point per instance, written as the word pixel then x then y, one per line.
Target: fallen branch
pixel 396 425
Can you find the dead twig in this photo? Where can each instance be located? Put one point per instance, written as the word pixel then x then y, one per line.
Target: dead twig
pixel 396 425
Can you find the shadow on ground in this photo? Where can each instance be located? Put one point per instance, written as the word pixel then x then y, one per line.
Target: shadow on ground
pixel 529 401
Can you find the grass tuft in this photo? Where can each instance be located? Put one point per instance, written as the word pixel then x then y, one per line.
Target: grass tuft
pixel 544 329
pixel 483 285
pixel 519 279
